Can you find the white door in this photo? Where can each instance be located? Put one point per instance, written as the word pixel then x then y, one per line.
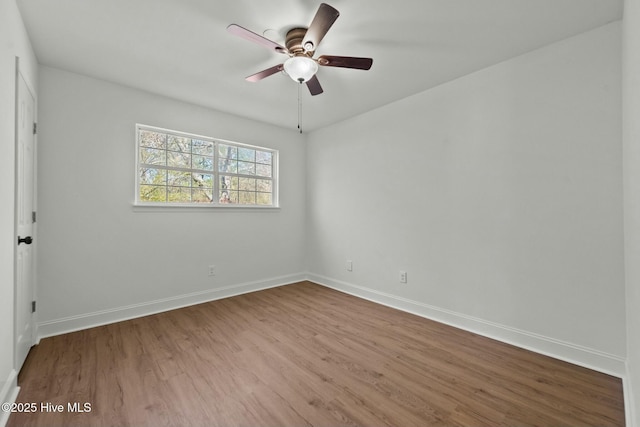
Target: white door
pixel 25 158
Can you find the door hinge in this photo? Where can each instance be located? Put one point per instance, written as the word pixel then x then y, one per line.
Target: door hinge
pixel 33 217
pixel 33 306
pixel 35 128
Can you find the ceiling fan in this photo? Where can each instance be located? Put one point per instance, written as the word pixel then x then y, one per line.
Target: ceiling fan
pixel 301 44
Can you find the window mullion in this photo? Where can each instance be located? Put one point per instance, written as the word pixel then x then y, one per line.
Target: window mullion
pixel 216 175
pixel 249 176
pixel 176 168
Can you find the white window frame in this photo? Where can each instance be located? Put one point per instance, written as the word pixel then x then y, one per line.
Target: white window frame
pixel 215 203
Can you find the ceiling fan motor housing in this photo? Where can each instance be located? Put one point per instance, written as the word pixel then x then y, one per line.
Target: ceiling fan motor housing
pixel 294 42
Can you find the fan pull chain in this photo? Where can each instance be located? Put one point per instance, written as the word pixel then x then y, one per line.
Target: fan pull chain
pixel 299 108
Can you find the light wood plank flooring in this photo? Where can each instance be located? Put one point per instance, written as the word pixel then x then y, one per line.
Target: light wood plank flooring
pixel 304 355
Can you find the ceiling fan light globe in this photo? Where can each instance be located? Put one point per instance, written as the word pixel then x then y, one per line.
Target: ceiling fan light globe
pixel 300 68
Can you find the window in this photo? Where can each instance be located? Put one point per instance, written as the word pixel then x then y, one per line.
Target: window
pixel 179 169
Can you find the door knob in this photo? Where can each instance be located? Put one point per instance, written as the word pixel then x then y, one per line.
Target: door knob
pixel 27 240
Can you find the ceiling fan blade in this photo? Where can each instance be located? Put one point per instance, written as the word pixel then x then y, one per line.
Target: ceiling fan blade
pixel 265 73
pixel 314 86
pixel 256 38
pixel 324 19
pixel 345 62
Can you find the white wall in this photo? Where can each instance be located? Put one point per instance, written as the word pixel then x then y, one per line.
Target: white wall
pixel 631 150
pixel 13 42
pixel 99 259
pixel 499 193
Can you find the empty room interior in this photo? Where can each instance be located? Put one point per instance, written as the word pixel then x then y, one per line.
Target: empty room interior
pixel 295 213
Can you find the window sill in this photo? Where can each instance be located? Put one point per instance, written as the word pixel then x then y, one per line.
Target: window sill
pixel 199 208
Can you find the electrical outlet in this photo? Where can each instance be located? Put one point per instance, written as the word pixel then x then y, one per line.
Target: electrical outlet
pixel 212 270
pixel 403 276
pixel 349 265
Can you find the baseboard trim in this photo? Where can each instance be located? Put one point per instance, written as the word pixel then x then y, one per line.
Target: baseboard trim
pixel 629 401
pixel 8 394
pixel 118 314
pixel 579 355
pixel 558 349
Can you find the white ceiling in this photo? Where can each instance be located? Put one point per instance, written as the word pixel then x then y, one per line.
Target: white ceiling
pixel 181 49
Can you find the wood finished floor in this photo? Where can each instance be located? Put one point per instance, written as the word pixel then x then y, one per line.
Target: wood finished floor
pixel 304 355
